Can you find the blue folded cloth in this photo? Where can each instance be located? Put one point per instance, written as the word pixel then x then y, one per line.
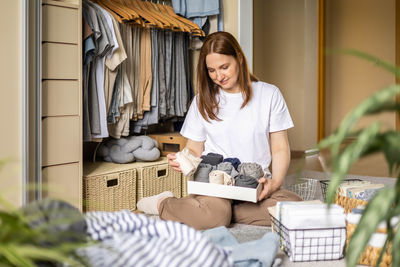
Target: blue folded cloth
pixel 257 253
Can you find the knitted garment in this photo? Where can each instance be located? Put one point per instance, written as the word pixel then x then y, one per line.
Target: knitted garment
pixel 203 172
pixel 234 161
pixel 246 181
pixel 251 169
pixel 228 168
pixel 129 149
pixel 221 177
pixel 187 162
pixel 212 158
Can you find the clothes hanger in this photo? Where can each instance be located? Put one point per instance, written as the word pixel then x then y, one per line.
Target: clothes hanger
pixel 117 16
pixel 143 12
pixel 194 28
pixel 177 25
pixel 160 16
pixel 112 5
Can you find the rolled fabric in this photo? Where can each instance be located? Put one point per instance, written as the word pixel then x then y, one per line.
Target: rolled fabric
pixel 228 168
pixel 212 158
pixel 251 169
pixel 234 161
pixel 217 176
pixel 187 162
pixel 202 173
pixel 246 181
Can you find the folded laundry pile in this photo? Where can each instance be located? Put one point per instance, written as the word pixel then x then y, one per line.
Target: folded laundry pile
pixel 362 190
pixel 230 171
pixel 311 231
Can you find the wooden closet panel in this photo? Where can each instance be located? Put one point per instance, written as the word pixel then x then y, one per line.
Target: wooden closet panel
pixel 60 24
pixel 60 61
pixel 61 140
pixel 60 98
pixel 60 182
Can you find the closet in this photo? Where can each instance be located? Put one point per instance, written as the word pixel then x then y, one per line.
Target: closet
pixel 61 80
pixel 62 77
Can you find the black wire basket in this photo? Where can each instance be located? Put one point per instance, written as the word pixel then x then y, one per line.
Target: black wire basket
pixel 320 244
pixel 324 185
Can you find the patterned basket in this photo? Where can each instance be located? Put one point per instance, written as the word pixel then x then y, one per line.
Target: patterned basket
pixel 156 177
pixel 109 186
pixel 347 203
pixel 371 254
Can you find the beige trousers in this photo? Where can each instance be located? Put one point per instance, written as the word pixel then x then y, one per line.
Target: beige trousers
pixel 204 212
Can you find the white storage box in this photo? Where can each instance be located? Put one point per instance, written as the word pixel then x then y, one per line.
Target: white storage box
pixel 224 191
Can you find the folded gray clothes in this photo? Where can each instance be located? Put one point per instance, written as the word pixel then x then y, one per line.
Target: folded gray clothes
pixel 212 158
pixel 203 171
pixel 228 168
pixel 251 169
pixel 246 181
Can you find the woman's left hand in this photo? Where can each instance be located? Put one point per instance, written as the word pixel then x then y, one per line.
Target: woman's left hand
pixel 269 188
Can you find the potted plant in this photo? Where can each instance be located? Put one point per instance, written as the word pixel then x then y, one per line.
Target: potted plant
pixel 371 139
pixel 28 240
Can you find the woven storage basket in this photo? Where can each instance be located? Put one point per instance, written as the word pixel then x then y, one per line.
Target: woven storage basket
pixel 109 186
pixel 370 255
pixel 184 184
pixel 156 177
pixel 348 203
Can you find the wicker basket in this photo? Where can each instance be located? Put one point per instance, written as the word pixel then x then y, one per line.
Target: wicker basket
pixel 156 177
pixel 347 203
pixel 109 186
pixel 371 254
pixel 184 184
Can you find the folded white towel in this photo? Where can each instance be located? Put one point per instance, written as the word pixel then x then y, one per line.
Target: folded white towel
pixel 310 216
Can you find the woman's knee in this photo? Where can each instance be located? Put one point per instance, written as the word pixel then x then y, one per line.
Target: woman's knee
pixel 285 195
pixel 199 212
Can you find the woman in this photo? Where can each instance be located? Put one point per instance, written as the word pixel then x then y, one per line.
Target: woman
pixel 236 116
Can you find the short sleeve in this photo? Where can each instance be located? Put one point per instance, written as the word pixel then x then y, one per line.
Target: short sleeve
pixel 193 126
pixel 279 117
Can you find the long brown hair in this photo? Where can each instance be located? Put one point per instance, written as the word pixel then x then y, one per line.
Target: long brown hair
pixel 221 43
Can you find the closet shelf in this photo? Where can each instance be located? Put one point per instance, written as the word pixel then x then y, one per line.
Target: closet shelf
pixel 60 3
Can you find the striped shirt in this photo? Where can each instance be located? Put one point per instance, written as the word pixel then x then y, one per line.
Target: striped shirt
pixel 129 239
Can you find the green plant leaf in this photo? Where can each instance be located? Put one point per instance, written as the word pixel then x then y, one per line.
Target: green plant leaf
pixel 11 254
pixel 377 61
pixel 376 211
pixel 51 254
pixel 391 148
pixel 370 104
pixel 344 161
pixel 396 248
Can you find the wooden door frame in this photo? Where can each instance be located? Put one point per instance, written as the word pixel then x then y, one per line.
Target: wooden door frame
pixel 321 72
pixel 397 53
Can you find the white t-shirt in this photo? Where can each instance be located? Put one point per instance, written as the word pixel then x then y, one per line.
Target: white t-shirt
pixel 242 133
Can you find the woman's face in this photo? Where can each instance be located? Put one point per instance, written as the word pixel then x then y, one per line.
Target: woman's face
pixel 223 71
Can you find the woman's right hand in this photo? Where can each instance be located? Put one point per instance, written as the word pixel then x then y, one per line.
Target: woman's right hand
pixel 171 161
